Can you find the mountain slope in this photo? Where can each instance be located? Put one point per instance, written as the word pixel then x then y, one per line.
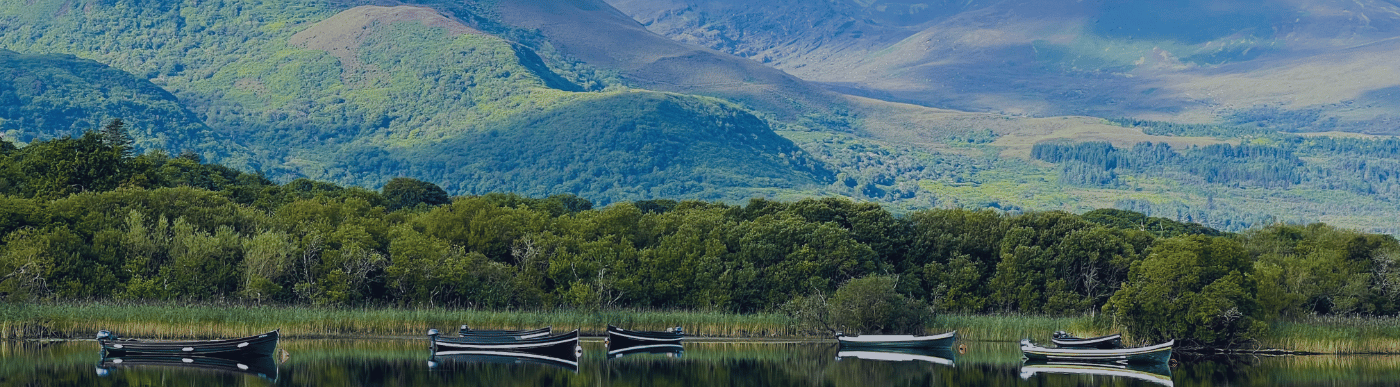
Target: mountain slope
pixel 1109 58
pixel 45 96
pixel 361 95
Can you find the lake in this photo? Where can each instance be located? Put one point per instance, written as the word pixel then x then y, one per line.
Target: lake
pixel 407 362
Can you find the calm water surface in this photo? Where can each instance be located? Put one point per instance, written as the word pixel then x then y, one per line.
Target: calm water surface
pixel 408 363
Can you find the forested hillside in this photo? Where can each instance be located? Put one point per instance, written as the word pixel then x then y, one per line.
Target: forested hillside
pixel 361 95
pixel 82 218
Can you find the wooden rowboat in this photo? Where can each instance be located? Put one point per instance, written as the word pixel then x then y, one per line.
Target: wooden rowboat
pixel 897 341
pixel 622 339
pixel 522 334
pixel 260 345
pixel 260 366
pixel 1065 340
pixel 1154 354
pixel 563 346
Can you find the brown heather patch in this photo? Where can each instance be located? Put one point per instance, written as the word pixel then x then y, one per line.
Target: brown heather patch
pixel 343 34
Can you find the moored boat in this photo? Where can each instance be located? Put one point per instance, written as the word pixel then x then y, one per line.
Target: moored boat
pixel 1065 340
pixel 464 331
pixel 897 341
pixel 1156 373
pixel 1160 353
pixel 260 366
pixel 260 345
pixel 622 339
pixel 564 346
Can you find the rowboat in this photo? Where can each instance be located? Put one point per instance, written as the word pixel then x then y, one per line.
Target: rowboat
pixel 1156 373
pixel 897 341
pixel 563 346
pixel 447 359
pixel 1065 340
pixel 523 334
pixel 260 366
pixel 1159 353
pixel 622 339
pixel 942 356
pixel 260 345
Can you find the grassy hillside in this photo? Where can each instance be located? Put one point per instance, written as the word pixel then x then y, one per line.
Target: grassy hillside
pixel 361 95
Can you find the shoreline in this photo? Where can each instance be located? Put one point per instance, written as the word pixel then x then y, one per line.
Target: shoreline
pixel 81 321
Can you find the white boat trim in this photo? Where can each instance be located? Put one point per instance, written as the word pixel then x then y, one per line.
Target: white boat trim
pixel 894 338
pixel 891 356
pixel 508 354
pixel 1076 353
pixel 505 345
pixel 630 349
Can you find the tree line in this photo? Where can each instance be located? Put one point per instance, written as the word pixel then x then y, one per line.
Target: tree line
pixel 84 218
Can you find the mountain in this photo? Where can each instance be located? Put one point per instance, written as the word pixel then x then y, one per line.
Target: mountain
pixel 59 94
pixel 1295 65
pixel 359 95
pixel 547 97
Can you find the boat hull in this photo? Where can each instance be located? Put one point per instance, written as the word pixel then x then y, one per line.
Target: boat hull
pixel 620 339
pixel 878 342
pixel 564 346
pixel 260 345
pixel 1155 354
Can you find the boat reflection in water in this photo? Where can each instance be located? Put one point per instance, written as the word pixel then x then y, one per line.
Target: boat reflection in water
pixel 261 366
pixel 1157 373
pixel 446 359
pixel 669 350
pixel 940 356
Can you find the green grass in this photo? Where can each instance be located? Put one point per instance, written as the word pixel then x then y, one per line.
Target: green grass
pixel 1329 334
pixel 1014 327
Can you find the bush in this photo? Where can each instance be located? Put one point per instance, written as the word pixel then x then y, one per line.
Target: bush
pixel 866 305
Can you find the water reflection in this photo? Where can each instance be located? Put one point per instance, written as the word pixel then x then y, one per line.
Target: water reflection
pixel 1158 374
pixel 935 356
pixel 260 366
pixel 447 360
pixel 406 363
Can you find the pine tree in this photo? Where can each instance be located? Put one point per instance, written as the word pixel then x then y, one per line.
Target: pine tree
pixel 115 136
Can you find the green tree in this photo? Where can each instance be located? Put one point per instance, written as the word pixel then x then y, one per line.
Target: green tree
pixel 1198 290
pixel 403 192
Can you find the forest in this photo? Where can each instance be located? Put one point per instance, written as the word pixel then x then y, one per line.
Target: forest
pixel 83 218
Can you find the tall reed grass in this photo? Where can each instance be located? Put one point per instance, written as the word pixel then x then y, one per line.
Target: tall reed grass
pixel 1014 327
pixel 83 320
pixel 1335 334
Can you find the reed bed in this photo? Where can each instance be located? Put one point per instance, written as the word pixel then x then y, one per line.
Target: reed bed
pixel 1014 327
pixel 1335 334
pixel 83 320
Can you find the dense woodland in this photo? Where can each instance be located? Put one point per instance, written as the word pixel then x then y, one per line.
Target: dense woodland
pixel 83 218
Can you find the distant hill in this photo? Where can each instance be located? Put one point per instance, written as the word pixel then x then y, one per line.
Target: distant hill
pixel 364 94
pixel 55 94
pixel 1293 65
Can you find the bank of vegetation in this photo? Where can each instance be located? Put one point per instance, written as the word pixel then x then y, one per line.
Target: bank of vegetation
pixel 85 219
